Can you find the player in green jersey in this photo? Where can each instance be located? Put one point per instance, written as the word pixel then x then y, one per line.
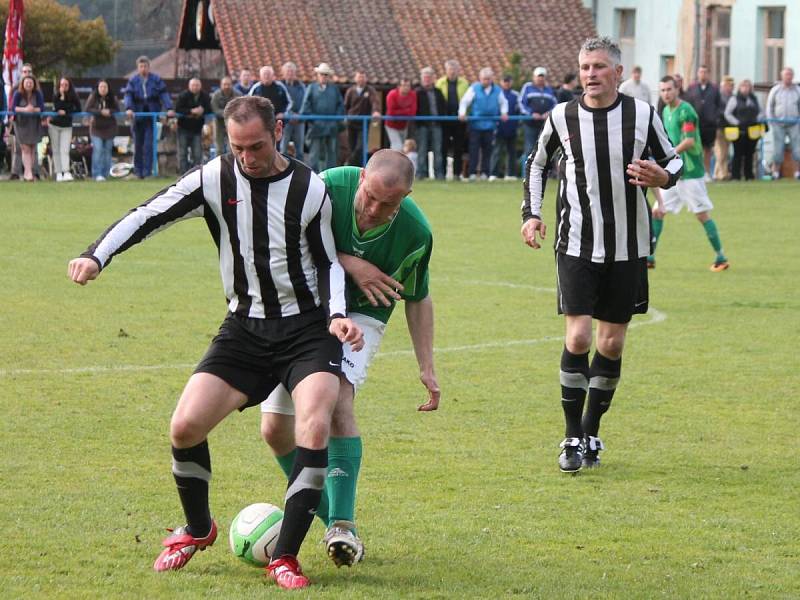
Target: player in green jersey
pixel 683 129
pixel 384 243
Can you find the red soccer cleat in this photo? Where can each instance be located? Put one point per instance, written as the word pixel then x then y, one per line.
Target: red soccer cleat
pixel 287 573
pixel 181 546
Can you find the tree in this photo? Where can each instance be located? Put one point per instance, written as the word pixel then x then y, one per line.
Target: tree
pixel 56 40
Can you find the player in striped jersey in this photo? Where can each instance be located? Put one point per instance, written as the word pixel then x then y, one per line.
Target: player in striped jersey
pixel 603 232
pixel 385 244
pixel 270 218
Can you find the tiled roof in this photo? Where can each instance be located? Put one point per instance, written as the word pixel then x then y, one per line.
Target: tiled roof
pixel 389 38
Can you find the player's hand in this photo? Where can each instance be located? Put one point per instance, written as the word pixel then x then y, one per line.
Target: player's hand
pixel 347 332
pixel 82 270
pixel 504 118
pixel 462 118
pixel 430 383
pixel 529 231
pixel 646 173
pixel 377 286
pixel 659 211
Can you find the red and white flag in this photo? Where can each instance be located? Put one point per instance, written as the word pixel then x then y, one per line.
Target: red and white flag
pixel 12 52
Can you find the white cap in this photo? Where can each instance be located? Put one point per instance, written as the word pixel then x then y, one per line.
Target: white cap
pixel 539 71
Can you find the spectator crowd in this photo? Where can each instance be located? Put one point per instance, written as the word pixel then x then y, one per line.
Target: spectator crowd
pixel 480 138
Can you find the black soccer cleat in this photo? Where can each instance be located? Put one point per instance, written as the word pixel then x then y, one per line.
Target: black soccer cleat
pixel 571 457
pixel 591 456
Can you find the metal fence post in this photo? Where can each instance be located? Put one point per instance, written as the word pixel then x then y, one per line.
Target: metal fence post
pixel 154 117
pixel 364 141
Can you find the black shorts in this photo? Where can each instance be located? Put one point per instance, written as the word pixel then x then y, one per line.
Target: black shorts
pixel 255 355
pixel 608 291
pixel 708 136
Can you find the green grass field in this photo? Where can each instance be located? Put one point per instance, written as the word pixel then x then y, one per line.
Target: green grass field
pixel 698 495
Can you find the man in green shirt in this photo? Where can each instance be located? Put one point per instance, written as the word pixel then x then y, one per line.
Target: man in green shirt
pixel 384 243
pixel 683 128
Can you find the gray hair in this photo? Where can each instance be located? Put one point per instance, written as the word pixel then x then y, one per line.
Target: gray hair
pixel 427 71
pixel 605 44
pixel 486 72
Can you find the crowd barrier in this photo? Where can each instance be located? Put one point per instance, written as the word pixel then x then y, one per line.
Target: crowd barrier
pixel 365 122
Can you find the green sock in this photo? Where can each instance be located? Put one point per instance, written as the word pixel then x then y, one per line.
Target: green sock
pixel 344 462
pixel 287 464
pixel 713 238
pixel 658 226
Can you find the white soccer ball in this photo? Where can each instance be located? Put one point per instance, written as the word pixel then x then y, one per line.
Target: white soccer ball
pixel 254 533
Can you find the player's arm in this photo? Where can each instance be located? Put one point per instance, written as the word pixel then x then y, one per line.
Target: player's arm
pixel 533 184
pixel 688 136
pixel 180 201
pixel 419 316
pixel 668 166
pixel 330 276
pixel 377 286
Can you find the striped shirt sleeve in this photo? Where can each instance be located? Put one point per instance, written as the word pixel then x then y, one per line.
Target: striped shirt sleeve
pixel 182 200
pixel 330 274
pixel 662 150
pixel 536 167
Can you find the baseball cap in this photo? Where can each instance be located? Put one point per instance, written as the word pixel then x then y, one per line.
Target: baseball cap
pixel 539 71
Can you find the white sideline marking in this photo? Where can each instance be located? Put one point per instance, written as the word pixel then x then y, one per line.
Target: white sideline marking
pixel 656 316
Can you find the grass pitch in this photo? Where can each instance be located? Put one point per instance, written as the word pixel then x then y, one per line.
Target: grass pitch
pixel 697 496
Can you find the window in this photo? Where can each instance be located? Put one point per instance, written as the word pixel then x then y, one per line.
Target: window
pixel 667 65
pixel 718 42
pixel 774 42
pixel 626 34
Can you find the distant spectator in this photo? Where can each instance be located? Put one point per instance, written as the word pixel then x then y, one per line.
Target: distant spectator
pixel 454 133
pixel 274 91
pixel 219 100
pixel 244 83
pixel 722 159
pixel 360 99
pixel 567 90
pixel 16 161
pixel 145 92
pixel 59 128
pixel 400 102
pixel 536 100
pixel 410 150
pixel 27 104
pixel 3 148
pixel 102 128
pixel 506 140
pixel 322 98
pixel 430 103
pixel 193 104
pixel 484 99
pixel 783 102
pixel 743 111
pixel 704 97
pixel 635 87
pixel 294 130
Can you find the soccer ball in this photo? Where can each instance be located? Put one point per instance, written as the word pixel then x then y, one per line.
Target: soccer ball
pixel 254 533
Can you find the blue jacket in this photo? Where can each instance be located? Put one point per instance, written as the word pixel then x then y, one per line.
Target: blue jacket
pixel 322 102
pixel 297 91
pixel 154 97
pixel 509 128
pixel 533 99
pixel 485 105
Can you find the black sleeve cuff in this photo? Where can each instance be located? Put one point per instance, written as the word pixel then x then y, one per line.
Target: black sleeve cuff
pixel 335 316
pixel 94 258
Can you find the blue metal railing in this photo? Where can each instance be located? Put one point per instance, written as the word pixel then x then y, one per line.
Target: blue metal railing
pixel 365 121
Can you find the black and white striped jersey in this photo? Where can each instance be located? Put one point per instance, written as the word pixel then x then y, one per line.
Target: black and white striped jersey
pixel 600 216
pixel 277 255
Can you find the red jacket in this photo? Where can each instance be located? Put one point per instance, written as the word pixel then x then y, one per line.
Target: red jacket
pixel 397 105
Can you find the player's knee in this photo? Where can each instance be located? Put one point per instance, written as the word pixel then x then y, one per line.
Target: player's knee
pixel 185 433
pixel 579 342
pixel 313 431
pixel 611 346
pixel 278 436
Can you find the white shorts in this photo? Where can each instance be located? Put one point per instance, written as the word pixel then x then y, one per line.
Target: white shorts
pixel 688 192
pixel 354 364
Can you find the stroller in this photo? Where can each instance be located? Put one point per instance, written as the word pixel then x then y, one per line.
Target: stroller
pixel 80 158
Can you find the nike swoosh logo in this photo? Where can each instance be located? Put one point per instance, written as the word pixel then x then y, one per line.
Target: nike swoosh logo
pixel 233 201
pixel 640 303
pixel 333 364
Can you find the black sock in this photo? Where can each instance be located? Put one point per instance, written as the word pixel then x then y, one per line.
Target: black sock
pixel 574 377
pixel 302 498
pixel 603 379
pixel 191 468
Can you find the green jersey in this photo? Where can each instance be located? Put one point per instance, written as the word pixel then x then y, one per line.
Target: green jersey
pixel 400 248
pixel 681 123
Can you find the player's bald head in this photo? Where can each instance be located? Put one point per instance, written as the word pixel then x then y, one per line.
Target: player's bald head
pixel 393 168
